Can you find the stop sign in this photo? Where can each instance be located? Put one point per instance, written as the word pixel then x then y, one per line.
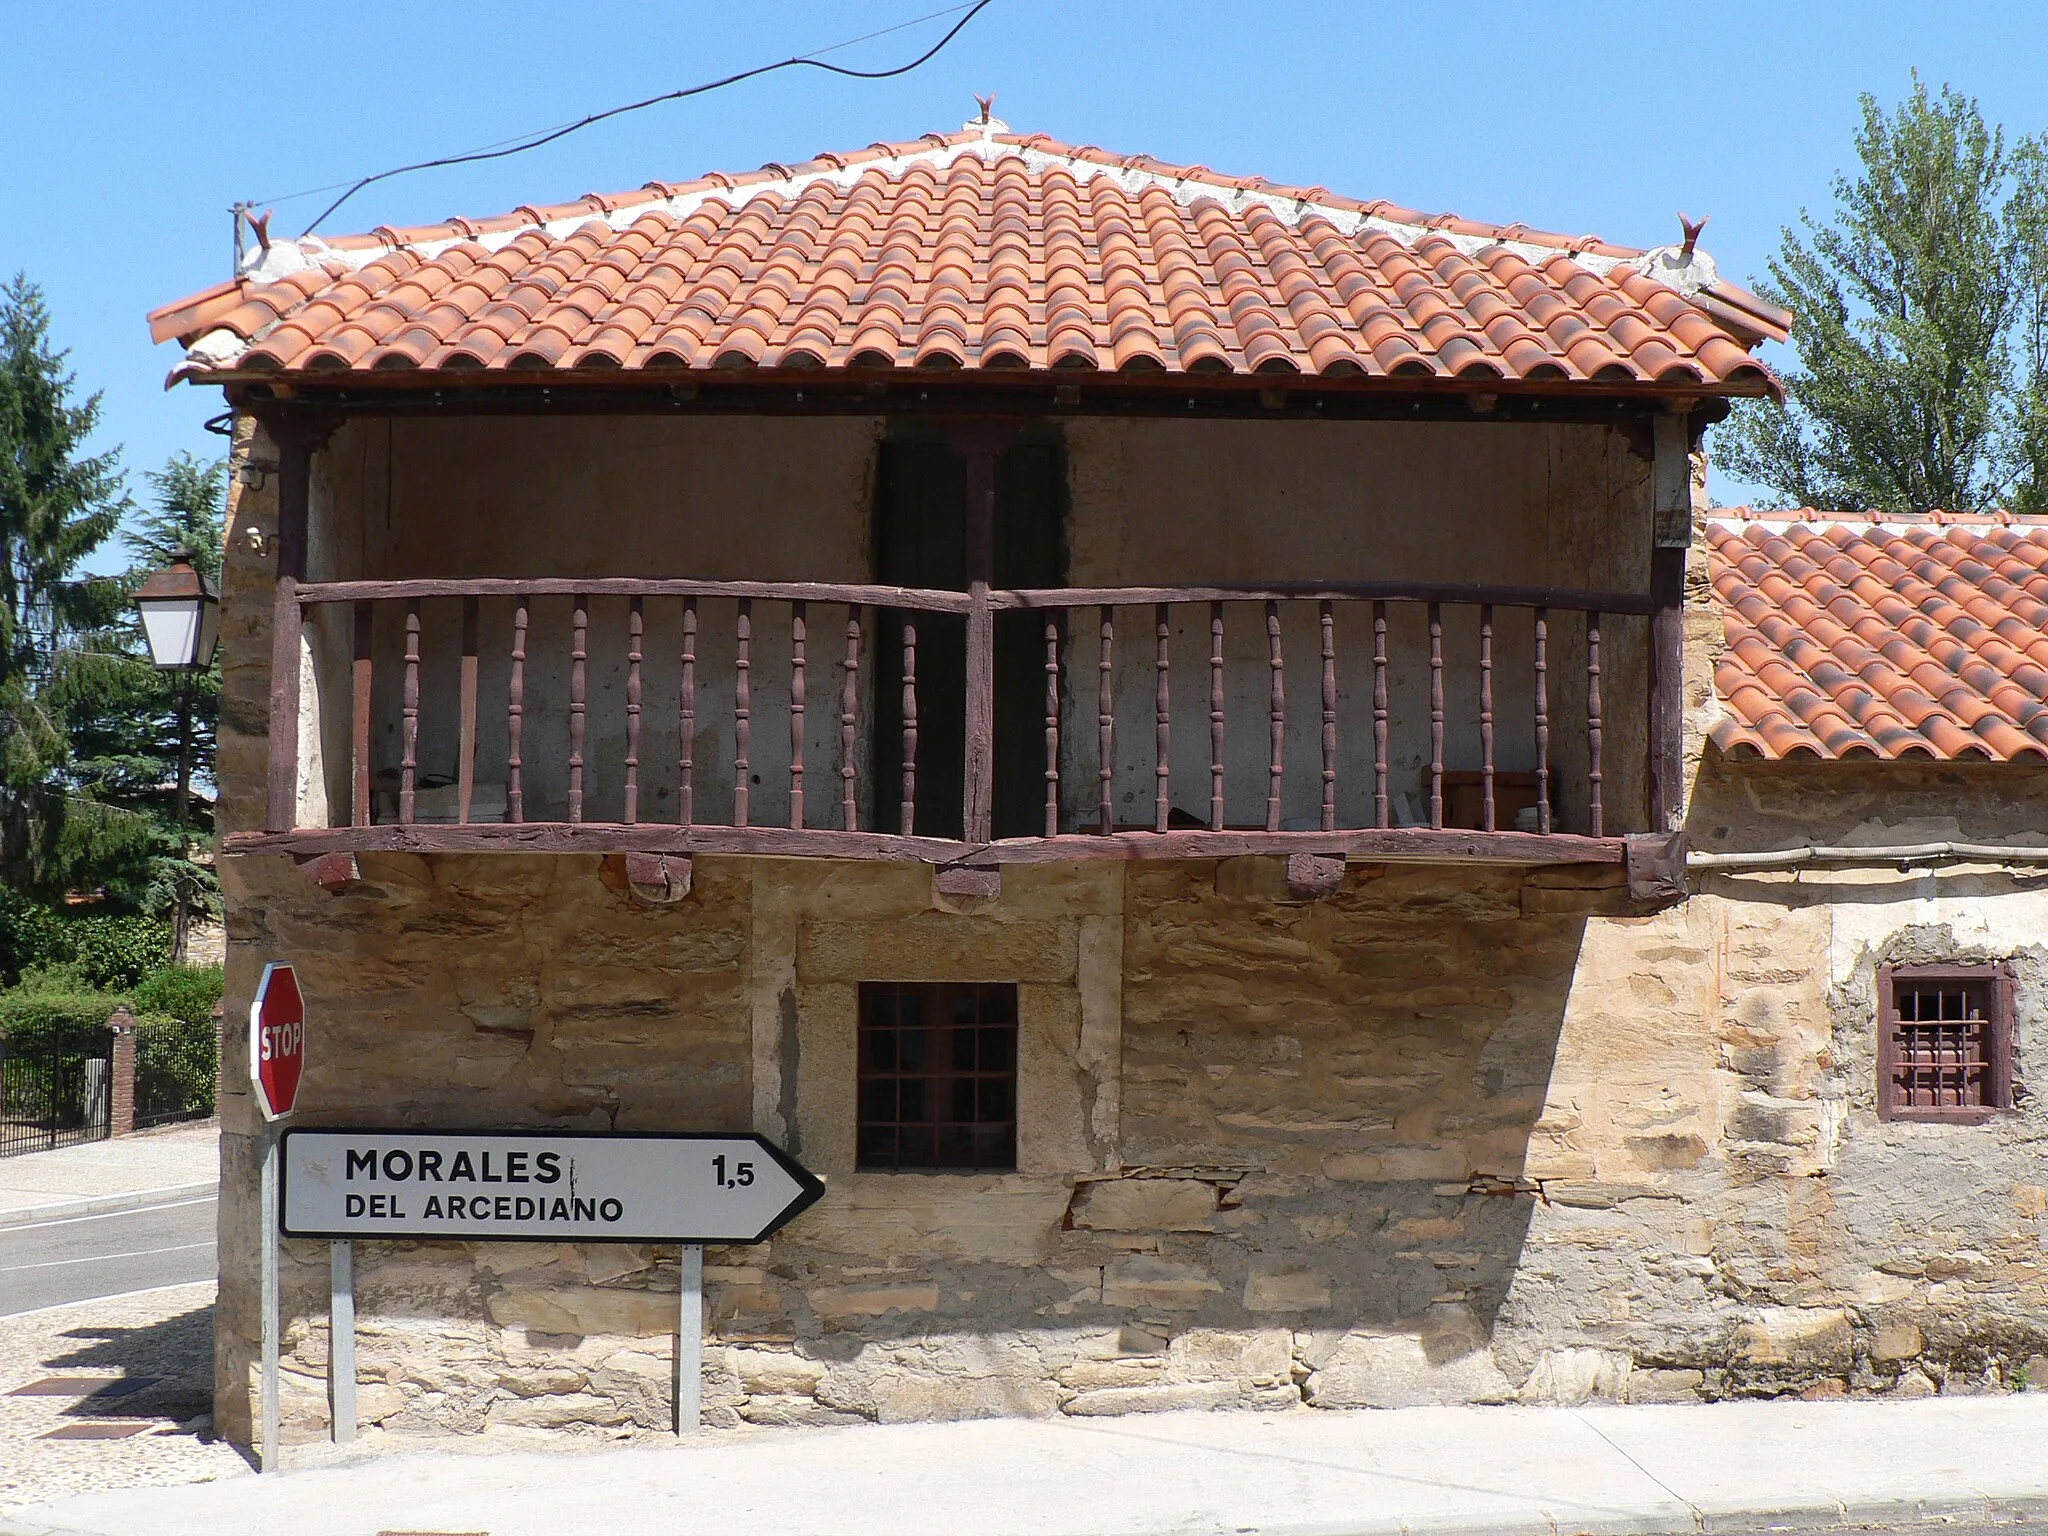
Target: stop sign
pixel 277 1040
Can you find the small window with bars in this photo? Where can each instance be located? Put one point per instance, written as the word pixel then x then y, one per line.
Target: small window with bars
pixel 938 1076
pixel 1944 1042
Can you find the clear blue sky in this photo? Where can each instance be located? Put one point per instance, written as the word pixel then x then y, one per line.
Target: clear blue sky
pixel 131 127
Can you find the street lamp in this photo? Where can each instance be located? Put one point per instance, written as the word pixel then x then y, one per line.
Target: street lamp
pixel 180 615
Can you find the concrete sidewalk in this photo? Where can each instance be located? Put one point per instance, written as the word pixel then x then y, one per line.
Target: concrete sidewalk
pixel 1499 1471
pixel 110 1175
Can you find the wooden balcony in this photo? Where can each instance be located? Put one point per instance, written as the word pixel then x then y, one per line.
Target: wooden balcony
pixel 1375 720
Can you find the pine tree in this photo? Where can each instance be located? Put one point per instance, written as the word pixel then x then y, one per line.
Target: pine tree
pixel 1922 325
pixel 58 504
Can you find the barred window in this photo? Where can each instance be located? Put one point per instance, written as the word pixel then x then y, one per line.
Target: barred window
pixel 1944 1042
pixel 938 1076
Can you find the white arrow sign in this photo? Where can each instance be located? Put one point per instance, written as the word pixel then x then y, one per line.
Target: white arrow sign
pixel 540 1186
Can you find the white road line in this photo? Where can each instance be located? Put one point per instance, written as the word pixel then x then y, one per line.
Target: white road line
pixel 88 1301
pixel 103 1258
pixel 134 1210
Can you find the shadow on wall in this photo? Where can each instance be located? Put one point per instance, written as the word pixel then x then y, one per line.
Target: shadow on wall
pixel 1328 1115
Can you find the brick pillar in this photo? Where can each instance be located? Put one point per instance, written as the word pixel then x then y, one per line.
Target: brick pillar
pixel 121 1025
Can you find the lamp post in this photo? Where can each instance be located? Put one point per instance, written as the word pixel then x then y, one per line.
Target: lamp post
pixel 180 614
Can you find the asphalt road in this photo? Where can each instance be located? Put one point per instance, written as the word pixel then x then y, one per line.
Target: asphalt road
pixel 48 1263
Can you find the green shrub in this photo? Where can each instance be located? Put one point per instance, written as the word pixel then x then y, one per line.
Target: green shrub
pixel 186 992
pixel 176 1067
pixel 35 1021
pixel 31 935
pixel 117 952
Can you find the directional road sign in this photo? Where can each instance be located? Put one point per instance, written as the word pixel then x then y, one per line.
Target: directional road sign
pixel 277 1040
pixel 540 1186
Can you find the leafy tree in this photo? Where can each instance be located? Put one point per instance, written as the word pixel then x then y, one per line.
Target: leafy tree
pixel 1922 325
pixel 57 505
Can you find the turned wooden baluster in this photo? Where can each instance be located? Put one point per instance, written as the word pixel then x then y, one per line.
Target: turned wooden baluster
pixel 1486 717
pixel 1215 717
pixel 686 776
pixel 1436 715
pixel 1162 742
pixel 408 768
pixel 359 741
pixel 1329 718
pixel 1052 725
pixel 1105 726
pixel 797 617
pixel 1277 716
pixel 1542 719
pixel 465 751
pixel 1380 806
pixel 1594 817
pixel 515 715
pixel 907 819
pixel 579 655
pixel 742 707
pixel 636 629
pixel 849 717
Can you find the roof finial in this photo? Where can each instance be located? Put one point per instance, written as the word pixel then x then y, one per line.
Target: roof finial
pixel 1692 228
pixel 987 104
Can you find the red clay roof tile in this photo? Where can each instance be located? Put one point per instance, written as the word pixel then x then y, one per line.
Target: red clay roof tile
pixel 1909 637
pixel 982 249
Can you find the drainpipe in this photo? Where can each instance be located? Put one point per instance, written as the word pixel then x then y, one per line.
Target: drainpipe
pixel 1901 854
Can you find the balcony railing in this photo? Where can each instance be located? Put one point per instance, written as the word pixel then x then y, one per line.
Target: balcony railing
pixel 1433 720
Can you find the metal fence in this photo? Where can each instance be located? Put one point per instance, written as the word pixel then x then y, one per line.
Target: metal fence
pixel 177 1069
pixel 54 1098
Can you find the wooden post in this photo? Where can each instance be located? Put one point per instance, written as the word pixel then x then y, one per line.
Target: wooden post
pixel 359 739
pixel 978 795
pixel 294 476
pixel 1671 536
pixel 465 750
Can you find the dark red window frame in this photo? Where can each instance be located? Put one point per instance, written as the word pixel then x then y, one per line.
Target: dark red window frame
pixel 1944 1042
pixel 938 1077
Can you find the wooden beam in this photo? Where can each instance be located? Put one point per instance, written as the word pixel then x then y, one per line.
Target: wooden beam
pixel 1408 845
pixel 1667 689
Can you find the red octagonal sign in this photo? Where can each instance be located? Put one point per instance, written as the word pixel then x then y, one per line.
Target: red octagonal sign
pixel 277 1040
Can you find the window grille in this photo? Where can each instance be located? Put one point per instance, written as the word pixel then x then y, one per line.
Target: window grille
pixel 1944 1042
pixel 938 1076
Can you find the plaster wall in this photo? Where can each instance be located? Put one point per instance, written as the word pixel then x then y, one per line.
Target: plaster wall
pixel 763 499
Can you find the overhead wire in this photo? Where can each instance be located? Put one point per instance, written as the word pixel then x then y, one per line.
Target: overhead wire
pixel 507 147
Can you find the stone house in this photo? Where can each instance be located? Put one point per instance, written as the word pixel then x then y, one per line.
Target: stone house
pixel 1189 745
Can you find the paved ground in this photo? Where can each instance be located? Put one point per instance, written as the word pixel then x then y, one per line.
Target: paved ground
pixel 181 1158
pixel 75 1258
pixel 1723 1468
pixel 162 1339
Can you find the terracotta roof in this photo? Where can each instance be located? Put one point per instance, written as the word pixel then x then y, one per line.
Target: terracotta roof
pixel 1848 637
pixel 983 249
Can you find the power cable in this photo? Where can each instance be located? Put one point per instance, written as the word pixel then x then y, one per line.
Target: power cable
pixel 548 136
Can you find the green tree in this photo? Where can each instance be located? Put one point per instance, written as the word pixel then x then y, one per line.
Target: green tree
pixel 140 736
pixel 1922 325
pixel 58 504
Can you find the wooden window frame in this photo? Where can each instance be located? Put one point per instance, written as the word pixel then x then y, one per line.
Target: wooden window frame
pixel 1998 1034
pixel 941 1073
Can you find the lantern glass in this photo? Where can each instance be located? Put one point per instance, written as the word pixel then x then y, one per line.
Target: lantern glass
pixel 174 627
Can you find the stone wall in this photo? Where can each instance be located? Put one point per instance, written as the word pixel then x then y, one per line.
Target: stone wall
pixel 1453 1134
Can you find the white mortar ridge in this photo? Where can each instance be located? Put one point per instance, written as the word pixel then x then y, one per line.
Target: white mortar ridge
pixel 1364 1473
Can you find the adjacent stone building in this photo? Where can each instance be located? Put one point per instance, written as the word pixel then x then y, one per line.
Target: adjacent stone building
pixel 1190 746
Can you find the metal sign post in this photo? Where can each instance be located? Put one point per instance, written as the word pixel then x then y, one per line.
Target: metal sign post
pixel 690 1342
pixel 341 1338
pixel 269 1388
pixel 277 1055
